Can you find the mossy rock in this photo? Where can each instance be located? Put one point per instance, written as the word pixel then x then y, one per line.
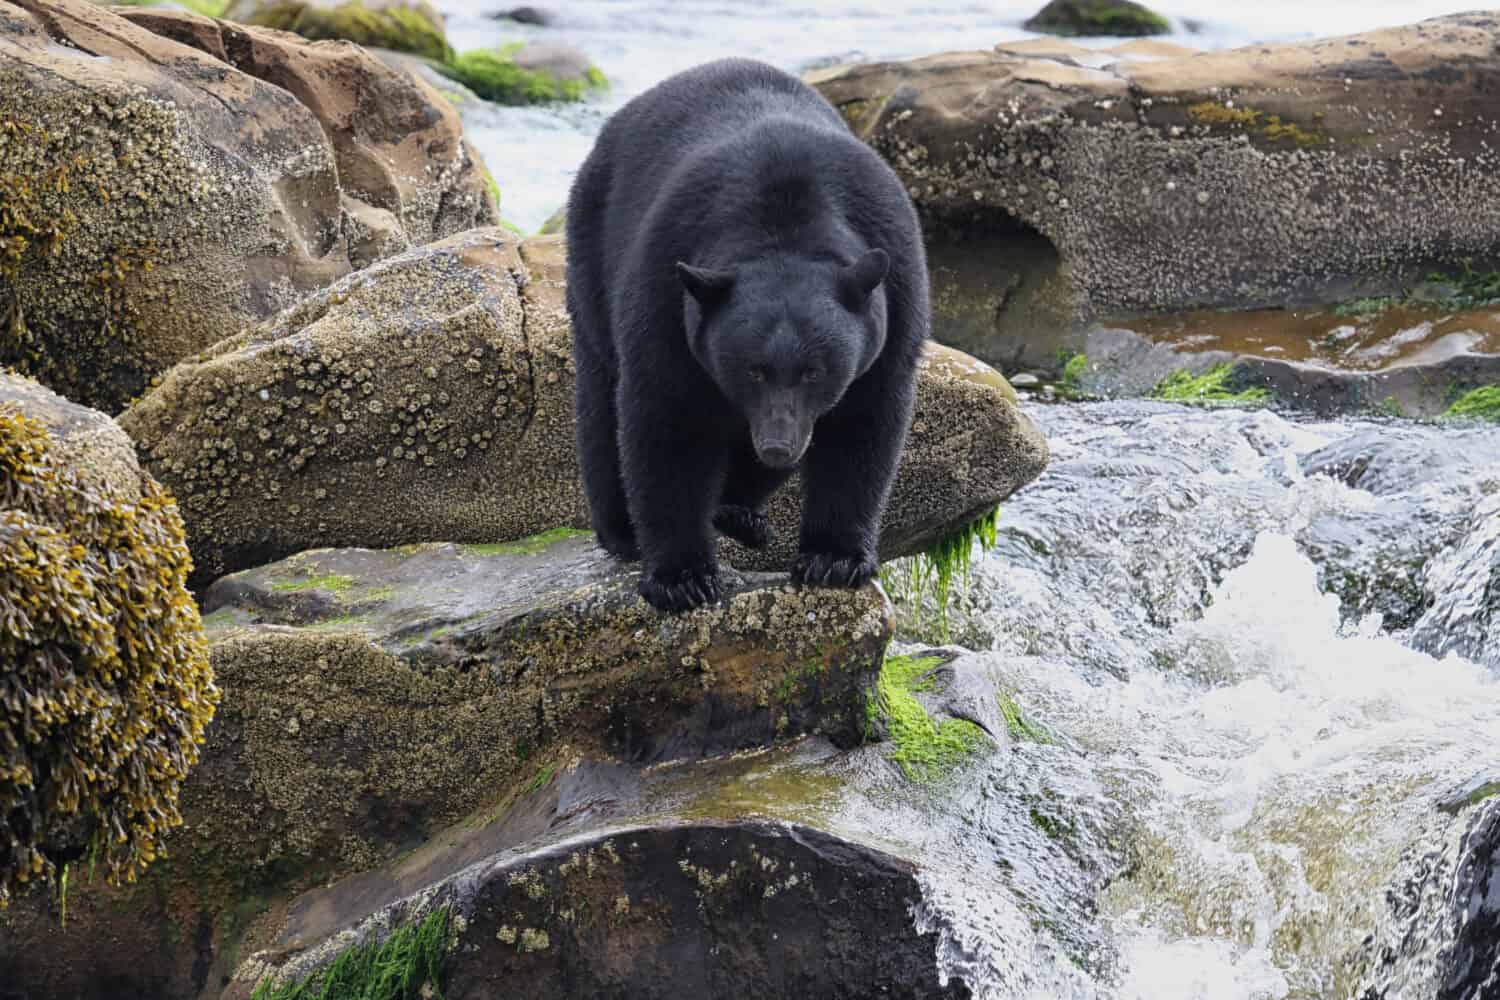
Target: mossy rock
pixel 107 689
pixel 157 196
pixel 402 27
pixel 538 73
pixel 1098 17
pixel 430 398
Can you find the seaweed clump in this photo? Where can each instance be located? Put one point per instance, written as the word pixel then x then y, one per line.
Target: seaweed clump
pixel 107 687
pixel 495 75
pixel 407 965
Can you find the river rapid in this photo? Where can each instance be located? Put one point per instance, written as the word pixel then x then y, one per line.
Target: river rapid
pixel 1265 651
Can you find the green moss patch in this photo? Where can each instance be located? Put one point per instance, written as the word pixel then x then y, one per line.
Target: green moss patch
pixel 924 748
pixel 407 965
pixel 1465 289
pixel 1213 387
pixel 494 75
pixel 528 546
pixel 1478 404
pixel 1098 17
pixel 403 29
pixel 933 573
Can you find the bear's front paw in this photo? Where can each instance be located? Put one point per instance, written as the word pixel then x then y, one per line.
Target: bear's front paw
pixel 827 569
pixel 750 528
pixel 681 590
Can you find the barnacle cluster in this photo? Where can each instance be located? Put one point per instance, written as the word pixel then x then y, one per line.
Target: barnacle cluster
pixel 105 684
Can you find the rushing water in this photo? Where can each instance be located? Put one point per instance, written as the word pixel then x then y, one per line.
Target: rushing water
pixel 533 152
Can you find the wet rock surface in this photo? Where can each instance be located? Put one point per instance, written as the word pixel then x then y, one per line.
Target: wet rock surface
pixel 175 178
pixel 430 398
pixel 1443 939
pixel 1218 179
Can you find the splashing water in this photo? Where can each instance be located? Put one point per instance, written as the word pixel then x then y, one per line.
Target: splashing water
pixel 1255 757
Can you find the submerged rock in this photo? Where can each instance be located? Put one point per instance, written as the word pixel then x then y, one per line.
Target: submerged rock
pixel 1097 17
pixel 174 178
pixel 373 699
pixel 1059 191
pixel 430 398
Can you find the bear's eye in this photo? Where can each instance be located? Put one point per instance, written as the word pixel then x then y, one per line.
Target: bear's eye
pixel 811 375
pixel 757 374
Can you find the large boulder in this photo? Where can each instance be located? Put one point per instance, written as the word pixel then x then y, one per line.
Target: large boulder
pixel 1063 186
pixel 374 698
pixel 168 179
pixel 430 398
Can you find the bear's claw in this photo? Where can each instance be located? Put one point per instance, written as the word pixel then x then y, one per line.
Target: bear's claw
pixel 750 528
pixel 826 569
pixel 682 590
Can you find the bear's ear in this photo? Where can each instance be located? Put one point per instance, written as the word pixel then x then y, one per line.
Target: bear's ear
pixel 707 286
pixel 859 280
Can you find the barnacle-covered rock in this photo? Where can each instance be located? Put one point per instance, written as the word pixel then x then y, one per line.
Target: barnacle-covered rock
pixel 106 687
pixel 430 398
pixel 1062 185
pixel 167 179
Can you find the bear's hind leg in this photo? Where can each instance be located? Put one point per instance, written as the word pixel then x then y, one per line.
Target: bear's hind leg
pixel 599 455
pixel 742 509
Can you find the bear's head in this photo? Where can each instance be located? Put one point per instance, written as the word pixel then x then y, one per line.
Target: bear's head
pixel 784 339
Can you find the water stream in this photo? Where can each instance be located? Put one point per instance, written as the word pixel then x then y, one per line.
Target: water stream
pixel 1265 650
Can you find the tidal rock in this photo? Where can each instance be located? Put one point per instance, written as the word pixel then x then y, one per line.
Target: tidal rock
pixel 430 398
pixel 174 178
pixel 1060 191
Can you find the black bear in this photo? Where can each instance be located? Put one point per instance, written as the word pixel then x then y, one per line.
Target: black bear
pixel 748 291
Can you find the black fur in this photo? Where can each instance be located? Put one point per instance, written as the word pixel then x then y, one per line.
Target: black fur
pixel 743 273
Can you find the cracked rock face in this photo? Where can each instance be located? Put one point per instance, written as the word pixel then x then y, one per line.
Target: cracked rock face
pixel 430 398
pixel 1139 181
pixel 174 178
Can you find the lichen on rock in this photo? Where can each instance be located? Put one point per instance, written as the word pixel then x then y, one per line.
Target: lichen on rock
pixel 107 688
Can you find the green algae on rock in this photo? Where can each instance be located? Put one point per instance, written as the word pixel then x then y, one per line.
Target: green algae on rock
pixel 156 195
pixel 107 688
pixel 925 748
pixel 407 964
pixel 1097 17
pixel 1209 387
pixel 1482 403
pixel 399 26
pixel 507 76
